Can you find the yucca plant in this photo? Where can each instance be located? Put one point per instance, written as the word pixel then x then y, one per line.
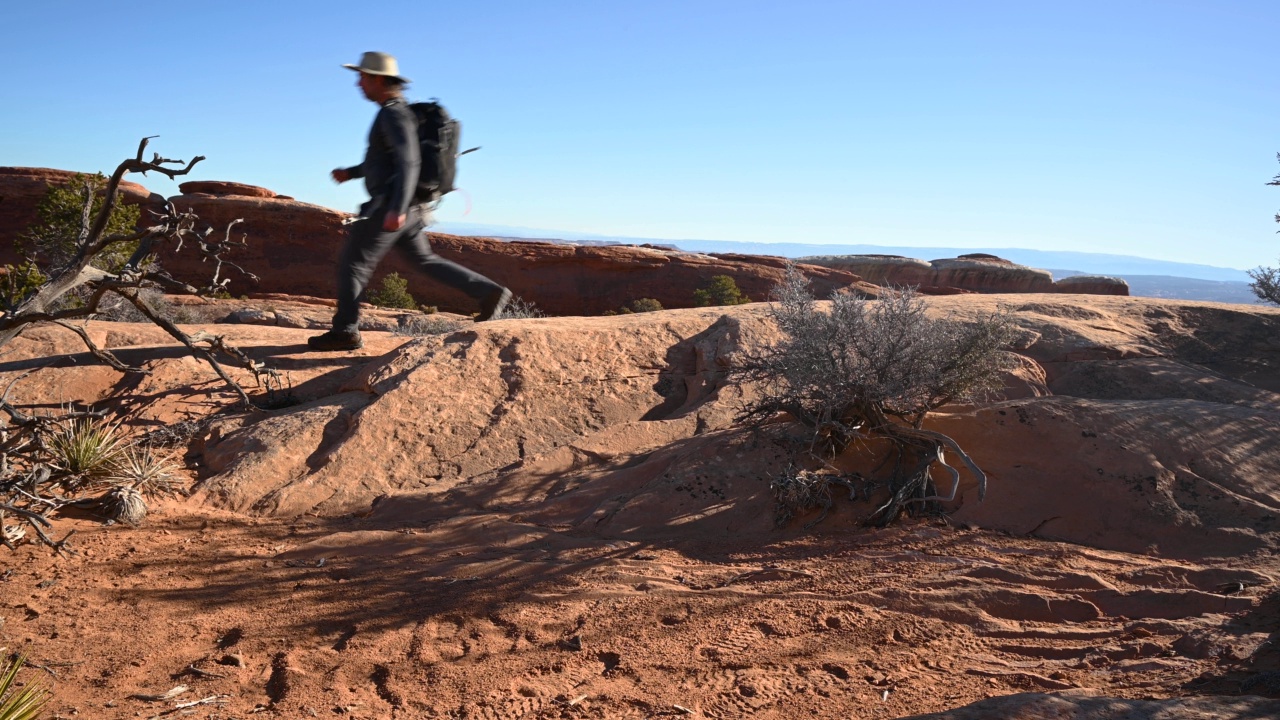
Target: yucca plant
pixel 15 704
pixel 149 472
pixel 85 449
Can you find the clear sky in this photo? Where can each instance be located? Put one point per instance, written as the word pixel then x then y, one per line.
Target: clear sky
pixel 1125 126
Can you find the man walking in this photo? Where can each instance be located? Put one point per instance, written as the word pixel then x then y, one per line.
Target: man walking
pixel 392 217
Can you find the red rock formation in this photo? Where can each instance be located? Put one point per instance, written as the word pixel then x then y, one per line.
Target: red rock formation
pixel 294 248
pixel 215 187
pixel 590 280
pixel 976 272
pixel 1092 285
pixel 22 189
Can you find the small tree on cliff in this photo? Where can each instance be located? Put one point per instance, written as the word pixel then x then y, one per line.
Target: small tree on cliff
pixel 1266 280
pixel 870 371
pixel 722 290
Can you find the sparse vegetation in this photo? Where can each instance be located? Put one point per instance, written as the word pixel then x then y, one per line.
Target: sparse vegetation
pixel 520 309
pixel 418 325
pixel 62 216
pixel 84 449
pixel 722 290
pixel 54 461
pixel 393 293
pixel 19 704
pixel 147 470
pixel 869 371
pixel 98 253
pixel 19 282
pixel 1266 280
pixel 643 305
pixel 76 286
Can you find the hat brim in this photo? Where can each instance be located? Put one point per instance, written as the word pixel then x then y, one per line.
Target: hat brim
pixel 359 69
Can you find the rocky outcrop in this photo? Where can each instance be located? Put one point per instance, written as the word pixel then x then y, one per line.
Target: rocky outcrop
pixel 22 189
pixel 222 188
pixel 591 279
pixel 1092 285
pixel 294 248
pixel 977 272
pixel 1111 435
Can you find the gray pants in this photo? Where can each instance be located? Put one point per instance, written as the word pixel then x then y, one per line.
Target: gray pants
pixel 367 244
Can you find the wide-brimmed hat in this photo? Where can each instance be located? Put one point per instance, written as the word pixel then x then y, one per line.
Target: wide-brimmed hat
pixel 376 63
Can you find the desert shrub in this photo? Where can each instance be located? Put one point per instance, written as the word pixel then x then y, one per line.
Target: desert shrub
pixel 419 325
pixel 873 369
pixel 798 491
pixel 15 704
pixel 147 470
pixel 61 218
pixel 520 309
pixel 644 305
pixel 84 450
pixel 722 290
pixel 18 282
pixel 393 293
pixel 1266 280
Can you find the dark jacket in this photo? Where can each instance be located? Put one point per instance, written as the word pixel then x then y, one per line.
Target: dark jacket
pixel 391 163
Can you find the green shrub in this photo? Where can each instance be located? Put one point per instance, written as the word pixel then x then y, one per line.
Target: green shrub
pixel 721 291
pixel 393 293
pixel 644 305
pixel 18 282
pixel 59 218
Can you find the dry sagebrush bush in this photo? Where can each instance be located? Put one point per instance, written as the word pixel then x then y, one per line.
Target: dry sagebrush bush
pixel 873 369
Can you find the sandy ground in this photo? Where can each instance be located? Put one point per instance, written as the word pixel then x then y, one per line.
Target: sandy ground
pixel 485 616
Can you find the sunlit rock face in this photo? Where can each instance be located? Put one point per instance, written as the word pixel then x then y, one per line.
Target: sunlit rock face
pixel 977 272
pixel 22 189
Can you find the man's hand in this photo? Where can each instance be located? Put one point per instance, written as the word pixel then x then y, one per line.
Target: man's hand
pixel 393 222
pixel 340 175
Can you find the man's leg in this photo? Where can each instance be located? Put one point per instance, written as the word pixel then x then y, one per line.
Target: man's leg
pixel 365 248
pixel 491 295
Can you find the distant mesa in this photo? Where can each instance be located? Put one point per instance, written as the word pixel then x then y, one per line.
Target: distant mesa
pixel 974 272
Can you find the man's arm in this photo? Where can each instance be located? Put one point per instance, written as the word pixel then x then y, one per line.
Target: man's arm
pixel 341 175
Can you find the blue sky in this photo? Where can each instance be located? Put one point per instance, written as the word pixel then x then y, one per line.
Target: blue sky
pixel 1142 128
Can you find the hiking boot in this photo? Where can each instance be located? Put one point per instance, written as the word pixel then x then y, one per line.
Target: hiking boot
pixel 493 304
pixel 334 340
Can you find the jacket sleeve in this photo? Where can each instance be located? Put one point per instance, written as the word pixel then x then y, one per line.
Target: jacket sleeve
pixel 355 172
pixel 400 133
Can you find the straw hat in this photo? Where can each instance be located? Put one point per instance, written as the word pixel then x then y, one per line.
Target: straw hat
pixel 376 63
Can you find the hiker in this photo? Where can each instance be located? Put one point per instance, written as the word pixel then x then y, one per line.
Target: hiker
pixel 396 213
